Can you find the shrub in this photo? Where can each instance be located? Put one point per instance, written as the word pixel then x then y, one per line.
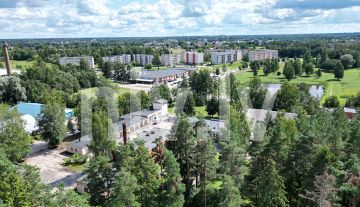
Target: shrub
pixel 75 159
pixel 332 102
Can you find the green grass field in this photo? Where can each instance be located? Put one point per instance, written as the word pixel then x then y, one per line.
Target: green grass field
pixel 200 112
pixel 91 92
pixel 15 64
pixel 348 86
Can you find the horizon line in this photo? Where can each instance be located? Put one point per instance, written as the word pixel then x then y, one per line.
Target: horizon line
pixel 176 36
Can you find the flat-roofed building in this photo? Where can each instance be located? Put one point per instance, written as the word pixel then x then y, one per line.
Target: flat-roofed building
pixel 193 58
pixel 164 76
pixel 263 54
pixel 77 60
pixel 170 59
pixel 143 59
pixel 123 59
pixel 227 56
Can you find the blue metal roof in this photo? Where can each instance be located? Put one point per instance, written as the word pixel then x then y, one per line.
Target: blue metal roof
pixel 34 109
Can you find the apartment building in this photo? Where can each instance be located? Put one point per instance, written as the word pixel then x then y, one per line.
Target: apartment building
pixel 123 59
pixel 193 58
pixel 143 59
pixel 227 56
pixel 263 54
pixel 77 60
pixel 170 59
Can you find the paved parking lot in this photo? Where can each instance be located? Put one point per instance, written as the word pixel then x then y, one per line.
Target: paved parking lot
pixel 51 169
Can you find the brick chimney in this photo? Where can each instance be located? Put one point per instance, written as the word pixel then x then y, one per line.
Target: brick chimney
pixel 125 133
pixel 6 58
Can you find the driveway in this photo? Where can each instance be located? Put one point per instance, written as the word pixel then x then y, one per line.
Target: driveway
pixel 51 169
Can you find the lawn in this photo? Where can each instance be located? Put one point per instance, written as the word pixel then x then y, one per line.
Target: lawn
pixel 200 112
pixel 92 91
pixel 16 63
pixel 348 86
pixel 22 63
pixel 76 167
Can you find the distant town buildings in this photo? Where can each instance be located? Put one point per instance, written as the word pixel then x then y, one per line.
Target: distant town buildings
pixel 77 60
pixel 123 59
pixel 143 59
pixel 263 54
pixel 227 56
pixel 193 58
pixel 170 59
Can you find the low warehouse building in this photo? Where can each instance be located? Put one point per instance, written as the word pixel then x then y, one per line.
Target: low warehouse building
pixel 163 76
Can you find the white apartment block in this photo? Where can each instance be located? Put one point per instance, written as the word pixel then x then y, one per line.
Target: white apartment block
pixel 223 57
pixel 170 59
pixel 123 59
pixel 193 58
pixel 77 60
pixel 263 54
pixel 143 59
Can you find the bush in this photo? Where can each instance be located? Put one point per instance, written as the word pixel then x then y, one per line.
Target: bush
pixel 75 159
pixel 148 66
pixel 332 102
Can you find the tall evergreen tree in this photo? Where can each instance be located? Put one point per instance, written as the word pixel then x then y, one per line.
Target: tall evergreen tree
pixel 99 179
pixel 171 189
pixel 230 195
pixel 270 188
pixel 189 105
pixel 184 147
pixel 123 193
pixel 146 171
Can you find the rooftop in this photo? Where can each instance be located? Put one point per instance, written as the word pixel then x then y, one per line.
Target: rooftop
pixel 84 142
pixel 34 109
pixel 152 74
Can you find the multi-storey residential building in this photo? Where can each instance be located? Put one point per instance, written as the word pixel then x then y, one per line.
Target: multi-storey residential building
pixel 193 58
pixel 263 54
pixel 143 59
pixel 227 56
pixel 170 59
pixel 77 60
pixel 123 59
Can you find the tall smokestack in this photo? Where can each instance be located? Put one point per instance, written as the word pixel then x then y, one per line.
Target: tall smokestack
pixel 125 133
pixel 6 58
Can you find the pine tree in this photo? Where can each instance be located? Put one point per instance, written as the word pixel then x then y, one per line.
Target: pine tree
pixel 172 189
pixel 269 188
pixel 143 167
pixel 123 193
pixel 99 179
pixel 184 147
pixel 205 163
pixel 230 195
pixel 189 105
pixel 234 162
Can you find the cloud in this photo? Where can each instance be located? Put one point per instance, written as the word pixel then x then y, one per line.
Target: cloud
pixel 316 4
pixel 79 18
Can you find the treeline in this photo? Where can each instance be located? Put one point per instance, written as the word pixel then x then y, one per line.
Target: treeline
pixel 41 81
pixel 51 52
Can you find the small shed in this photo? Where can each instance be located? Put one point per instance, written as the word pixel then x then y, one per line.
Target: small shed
pixel 350 112
pixel 79 146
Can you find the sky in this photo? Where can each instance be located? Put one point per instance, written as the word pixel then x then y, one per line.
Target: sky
pixel 149 18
